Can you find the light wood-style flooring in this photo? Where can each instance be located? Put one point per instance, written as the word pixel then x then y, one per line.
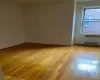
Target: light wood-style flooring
pixel 49 62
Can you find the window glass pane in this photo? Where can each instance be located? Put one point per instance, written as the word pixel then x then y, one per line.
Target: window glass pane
pixel 91 22
pixel 91 27
pixel 92 14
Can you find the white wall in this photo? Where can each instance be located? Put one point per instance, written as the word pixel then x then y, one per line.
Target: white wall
pixel 11 24
pixel 80 38
pixel 49 24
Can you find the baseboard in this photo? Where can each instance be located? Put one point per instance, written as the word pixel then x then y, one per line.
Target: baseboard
pixel 20 44
pixel 41 43
pixel 30 44
pixel 50 43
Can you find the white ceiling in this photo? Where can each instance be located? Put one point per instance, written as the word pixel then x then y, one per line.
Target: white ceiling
pixel 37 1
pixel 87 0
pixel 43 1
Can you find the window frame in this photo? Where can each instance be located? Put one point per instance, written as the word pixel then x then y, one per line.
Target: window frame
pixel 82 19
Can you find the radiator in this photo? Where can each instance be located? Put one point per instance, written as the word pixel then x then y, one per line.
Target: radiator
pixel 97 36
pixel 91 43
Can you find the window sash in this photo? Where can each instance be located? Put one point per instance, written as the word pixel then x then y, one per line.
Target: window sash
pixel 88 21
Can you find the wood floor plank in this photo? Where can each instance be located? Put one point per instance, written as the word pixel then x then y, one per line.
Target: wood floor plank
pixel 44 62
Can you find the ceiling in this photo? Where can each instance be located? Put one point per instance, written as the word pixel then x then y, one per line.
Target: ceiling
pixel 43 1
pixel 87 0
pixel 37 1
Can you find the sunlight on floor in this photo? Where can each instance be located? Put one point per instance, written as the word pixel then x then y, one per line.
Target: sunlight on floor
pixel 87 62
pixel 87 65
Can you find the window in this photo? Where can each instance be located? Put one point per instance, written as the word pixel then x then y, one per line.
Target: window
pixel 91 21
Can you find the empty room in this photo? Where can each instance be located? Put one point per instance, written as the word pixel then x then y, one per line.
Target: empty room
pixel 49 40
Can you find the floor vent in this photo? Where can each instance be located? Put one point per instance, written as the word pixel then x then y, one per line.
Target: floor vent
pixel 90 43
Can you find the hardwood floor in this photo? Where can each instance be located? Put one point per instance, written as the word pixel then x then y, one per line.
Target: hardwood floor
pixel 48 62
